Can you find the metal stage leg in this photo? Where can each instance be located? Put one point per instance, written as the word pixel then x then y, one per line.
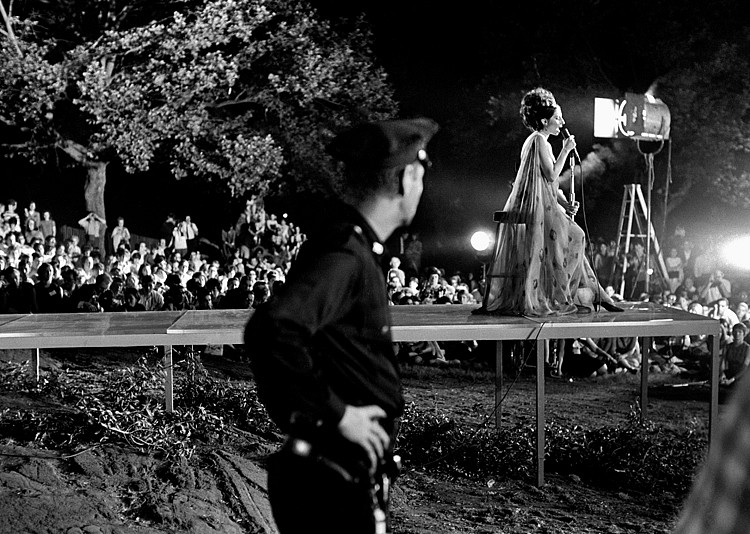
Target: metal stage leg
pixel 542 349
pixel 169 379
pixel 713 408
pixel 498 383
pixel 35 363
pixel 645 356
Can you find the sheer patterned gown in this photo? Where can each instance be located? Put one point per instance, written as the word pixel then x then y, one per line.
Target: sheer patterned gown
pixel 539 262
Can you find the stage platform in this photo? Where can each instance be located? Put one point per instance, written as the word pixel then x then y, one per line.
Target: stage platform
pixel 447 322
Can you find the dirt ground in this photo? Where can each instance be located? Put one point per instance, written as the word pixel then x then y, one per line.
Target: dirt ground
pixel 94 491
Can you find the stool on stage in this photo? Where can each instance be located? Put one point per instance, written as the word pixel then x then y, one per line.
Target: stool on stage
pixel 511 219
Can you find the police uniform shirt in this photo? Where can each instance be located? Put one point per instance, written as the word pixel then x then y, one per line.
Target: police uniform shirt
pixel 324 341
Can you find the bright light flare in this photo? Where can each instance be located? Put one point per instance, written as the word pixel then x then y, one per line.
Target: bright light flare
pixel 736 252
pixel 480 241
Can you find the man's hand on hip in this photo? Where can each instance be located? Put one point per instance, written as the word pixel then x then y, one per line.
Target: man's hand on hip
pixel 361 425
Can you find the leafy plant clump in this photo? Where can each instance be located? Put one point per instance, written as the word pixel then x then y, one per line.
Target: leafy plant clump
pixel 126 405
pixel 633 455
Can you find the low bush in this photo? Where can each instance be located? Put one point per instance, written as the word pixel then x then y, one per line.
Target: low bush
pixel 126 405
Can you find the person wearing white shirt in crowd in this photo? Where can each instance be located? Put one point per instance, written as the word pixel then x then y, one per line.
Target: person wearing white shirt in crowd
pixel 120 234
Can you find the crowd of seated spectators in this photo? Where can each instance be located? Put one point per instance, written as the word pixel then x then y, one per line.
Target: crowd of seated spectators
pixel 38 274
pixel 695 282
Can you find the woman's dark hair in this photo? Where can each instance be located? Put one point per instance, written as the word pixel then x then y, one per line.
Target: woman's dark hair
pixel 536 105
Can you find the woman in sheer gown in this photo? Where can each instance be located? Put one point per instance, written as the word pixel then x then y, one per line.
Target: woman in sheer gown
pixel 539 266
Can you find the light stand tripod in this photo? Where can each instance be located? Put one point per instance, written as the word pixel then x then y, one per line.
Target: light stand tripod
pixel 649 157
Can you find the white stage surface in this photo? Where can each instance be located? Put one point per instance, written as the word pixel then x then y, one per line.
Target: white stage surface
pixel 410 323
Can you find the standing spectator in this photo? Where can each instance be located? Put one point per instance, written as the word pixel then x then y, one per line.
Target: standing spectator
pixel 165 232
pixel 32 213
pixel 48 226
pixel 321 350
pixel 120 235
pixel 688 258
pixel 603 263
pixel 191 234
pixel 635 275
pixel 716 287
pixel 705 264
pixel 228 242
pixel 10 211
pixel 675 269
pixel 395 264
pixel 94 225
pixel 412 254
pixel 179 244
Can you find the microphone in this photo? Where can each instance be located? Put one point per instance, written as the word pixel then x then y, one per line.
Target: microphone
pixel 566 134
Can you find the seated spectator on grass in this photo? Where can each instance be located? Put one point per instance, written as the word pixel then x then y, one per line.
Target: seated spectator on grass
pixel 239 297
pixel 742 311
pixel 261 293
pixel 131 300
pixel 113 299
pixel 16 295
pixel 151 299
pixel 583 358
pixel 32 232
pixel 176 296
pixel 720 310
pixel 86 297
pixel 735 358
pixel 625 350
pixel 213 286
pixel 432 288
pixel 203 299
pixel 688 285
pixel 49 294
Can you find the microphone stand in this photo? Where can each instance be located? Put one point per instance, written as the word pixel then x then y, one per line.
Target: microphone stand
pixel 572 180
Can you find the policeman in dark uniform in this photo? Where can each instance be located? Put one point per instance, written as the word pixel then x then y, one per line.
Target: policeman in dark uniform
pixel 321 349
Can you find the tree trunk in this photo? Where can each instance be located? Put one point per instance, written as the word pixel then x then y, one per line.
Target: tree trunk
pixel 96 179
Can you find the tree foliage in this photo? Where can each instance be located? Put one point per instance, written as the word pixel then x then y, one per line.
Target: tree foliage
pixel 237 92
pixel 710 105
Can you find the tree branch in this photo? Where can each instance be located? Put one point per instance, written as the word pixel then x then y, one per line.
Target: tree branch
pixel 9 30
pixel 78 152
